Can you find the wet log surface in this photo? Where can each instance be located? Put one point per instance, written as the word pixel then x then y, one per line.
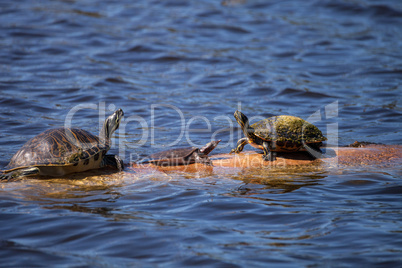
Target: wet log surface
pixel 343 157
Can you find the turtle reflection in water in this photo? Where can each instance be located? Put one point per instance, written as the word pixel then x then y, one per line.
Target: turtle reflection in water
pixel 61 151
pixel 282 133
pixel 184 156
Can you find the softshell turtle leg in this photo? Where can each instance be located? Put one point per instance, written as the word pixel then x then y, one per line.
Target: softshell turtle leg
pixel 113 161
pixel 240 145
pixel 203 160
pixel 24 172
pixel 268 154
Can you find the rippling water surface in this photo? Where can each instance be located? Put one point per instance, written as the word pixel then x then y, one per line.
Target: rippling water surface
pixel 179 69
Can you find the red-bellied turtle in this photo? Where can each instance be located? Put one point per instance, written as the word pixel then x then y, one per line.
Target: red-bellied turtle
pixel 283 133
pixel 184 156
pixel 60 151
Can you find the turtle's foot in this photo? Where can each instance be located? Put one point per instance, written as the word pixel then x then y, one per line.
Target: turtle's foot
pixel 315 152
pixel 205 161
pixel 30 171
pixel 5 177
pixel 119 163
pixel 234 151
pixel 269 157
pixel 113 161
pixel 209 163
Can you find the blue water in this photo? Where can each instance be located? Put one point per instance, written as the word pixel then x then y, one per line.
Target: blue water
pixel 179 69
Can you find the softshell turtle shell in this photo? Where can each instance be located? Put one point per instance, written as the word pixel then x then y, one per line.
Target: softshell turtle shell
pixel 60 151
pixel 184 156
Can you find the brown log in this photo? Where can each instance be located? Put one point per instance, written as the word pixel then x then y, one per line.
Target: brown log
pixel 368 155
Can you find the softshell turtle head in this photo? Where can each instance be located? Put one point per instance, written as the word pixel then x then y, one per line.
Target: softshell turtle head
pixel 209 147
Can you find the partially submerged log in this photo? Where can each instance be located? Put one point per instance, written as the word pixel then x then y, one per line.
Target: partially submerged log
pixel 367 155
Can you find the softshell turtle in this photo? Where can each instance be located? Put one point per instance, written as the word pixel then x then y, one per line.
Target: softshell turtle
pixel 283 133
pixel 184 156
pixel 60 151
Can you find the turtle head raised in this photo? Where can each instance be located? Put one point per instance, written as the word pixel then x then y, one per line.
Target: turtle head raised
pixel 242 120
pixel 112 123
pixel 209 147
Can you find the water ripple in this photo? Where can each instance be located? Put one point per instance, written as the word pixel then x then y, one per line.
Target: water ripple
pixel 207 59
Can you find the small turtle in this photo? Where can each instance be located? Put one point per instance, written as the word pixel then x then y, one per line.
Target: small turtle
pixel 184 156
pixel 61 151
pixel 283 133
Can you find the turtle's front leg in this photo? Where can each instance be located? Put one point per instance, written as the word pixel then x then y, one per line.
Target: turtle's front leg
pixel 268 154
pixel 203 160
pixel 240 145
pixel 314 150
pixel 113 161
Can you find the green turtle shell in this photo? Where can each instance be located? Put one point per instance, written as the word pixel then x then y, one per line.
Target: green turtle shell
pixel 60 147
pixel 286 129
